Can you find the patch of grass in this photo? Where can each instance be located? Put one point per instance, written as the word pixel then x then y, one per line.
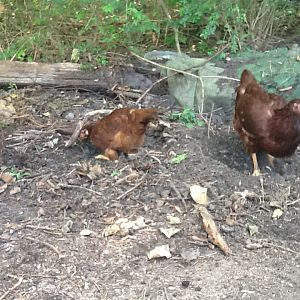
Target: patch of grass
pixel 3 125
pixel 178 158
pixel 115 173
pixel 17 174
pixel 186 117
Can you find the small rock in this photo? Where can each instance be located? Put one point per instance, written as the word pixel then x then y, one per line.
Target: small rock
pixel 68 115
pixel 226 228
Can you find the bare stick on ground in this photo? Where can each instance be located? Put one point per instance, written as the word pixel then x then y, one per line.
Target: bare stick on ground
pixel 29 238
pixel 210 227
pixel 11 289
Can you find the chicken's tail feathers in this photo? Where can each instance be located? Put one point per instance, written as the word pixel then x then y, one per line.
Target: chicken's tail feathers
pixel 145 115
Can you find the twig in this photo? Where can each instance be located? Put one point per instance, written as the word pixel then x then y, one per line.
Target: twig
pixel 209 121
pixel 131 189
pixel 262 189
pixel 79 187
pixel 166 77
pixel 218 52
pixel 43 276
pixel 282 248
pixel 151 87
pixel 293 202
pixel 97 286
pixel 286 89
pixel 38 227
pixel 181 71
pixel 166 293
pixel 29 238
pixel 202 96
pixel 178 194
pixel 44 229
pixel 12 288
pixel 30 118
pixel 176 33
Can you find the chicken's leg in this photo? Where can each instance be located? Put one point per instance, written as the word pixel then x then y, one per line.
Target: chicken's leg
pixel 256 171
pixel 271 160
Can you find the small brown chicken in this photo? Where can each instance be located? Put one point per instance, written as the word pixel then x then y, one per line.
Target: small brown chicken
pixel 265 122
pixel 122 130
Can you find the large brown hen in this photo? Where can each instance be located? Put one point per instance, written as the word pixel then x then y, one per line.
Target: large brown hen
pixel 122 130
pixel 265 122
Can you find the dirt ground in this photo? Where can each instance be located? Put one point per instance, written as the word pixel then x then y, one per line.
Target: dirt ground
pixel 53 221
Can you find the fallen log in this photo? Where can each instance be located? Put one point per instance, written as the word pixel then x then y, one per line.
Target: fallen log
pixel 69 75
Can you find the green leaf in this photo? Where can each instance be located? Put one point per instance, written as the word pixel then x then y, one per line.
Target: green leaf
pixel 178 158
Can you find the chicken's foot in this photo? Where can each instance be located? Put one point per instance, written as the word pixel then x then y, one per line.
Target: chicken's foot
pixel 109 154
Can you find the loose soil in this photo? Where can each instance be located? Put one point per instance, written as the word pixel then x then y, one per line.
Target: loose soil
pixel 45 254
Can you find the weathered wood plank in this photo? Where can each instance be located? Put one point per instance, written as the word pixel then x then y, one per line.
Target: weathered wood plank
pixel 58 74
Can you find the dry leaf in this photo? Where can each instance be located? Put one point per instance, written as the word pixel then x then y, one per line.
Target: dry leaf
pixel 67 227
pixel 41 212
pixel 111 230
pixel 137 224
pixel 6 177
pixel 133 176
pixel 173 220
pixel 253 245
pixel 164 123
pixel 94 172
pixel 178 209
pixel 213 234
pixel 199 194
pixel 3 188
pixel 15 190
pixel 2 8
pixel 7 111
pixel 230 220
pixel 91 171
pixel 52 143
pixel 169 232
pixel 160 251
pixel 253 229
pixel 123 225
pixel 277 213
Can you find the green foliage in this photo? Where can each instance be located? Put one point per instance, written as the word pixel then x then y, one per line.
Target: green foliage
pixel 275 69
pixel 115 173
pixel 186 117
pixel 12 86
pixel 219 22
pixel 178 158
pixel 85 30
pixel 3 125
pixel 17 174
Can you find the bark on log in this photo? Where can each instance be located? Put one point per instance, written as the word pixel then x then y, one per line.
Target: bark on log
pixel 63 75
